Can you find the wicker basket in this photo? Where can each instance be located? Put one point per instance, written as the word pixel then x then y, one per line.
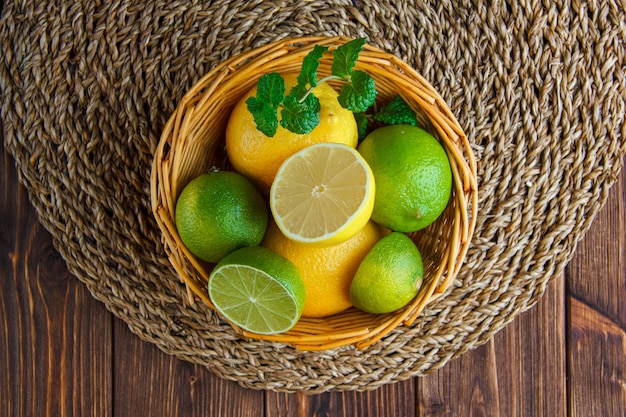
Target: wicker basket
pixel 193 141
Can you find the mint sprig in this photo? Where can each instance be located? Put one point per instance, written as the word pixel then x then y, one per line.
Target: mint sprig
pixel 345 57
pixel 397 112
pixel 308 73
pixel 361 124
pixel 300 117
pixel 299 110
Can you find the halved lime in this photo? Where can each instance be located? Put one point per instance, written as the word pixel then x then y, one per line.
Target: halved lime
pixel 258 290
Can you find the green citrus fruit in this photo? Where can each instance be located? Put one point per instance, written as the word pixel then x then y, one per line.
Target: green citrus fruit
pixel 389 276
pixel 258 290
pixel 413 176
pixel 219 212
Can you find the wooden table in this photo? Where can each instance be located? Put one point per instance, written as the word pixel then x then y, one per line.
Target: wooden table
pixel 62 353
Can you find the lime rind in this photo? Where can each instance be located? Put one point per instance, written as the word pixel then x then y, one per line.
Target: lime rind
pixel 219 212
pixel 258 290
pixel 413 176
pixel 389 276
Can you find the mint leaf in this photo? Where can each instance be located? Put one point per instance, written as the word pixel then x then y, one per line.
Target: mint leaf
pixel 345 57
pixel 308 74
pixel 271 89
pixel 298 92
pixel 265 116
pixel 264 107
pixel 397 112
pixel 300 117
pixel 359 95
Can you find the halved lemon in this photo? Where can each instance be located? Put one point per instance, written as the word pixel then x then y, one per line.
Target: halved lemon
pixel 323 194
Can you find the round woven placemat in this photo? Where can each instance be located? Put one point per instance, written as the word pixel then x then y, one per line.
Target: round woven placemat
pixel 539 88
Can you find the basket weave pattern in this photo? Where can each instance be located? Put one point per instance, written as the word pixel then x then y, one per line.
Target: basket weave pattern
pixel 87 88
pixel 193 142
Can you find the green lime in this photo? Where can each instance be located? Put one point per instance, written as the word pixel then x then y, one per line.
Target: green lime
pixel 258 290
pixel 219 212
pixel 413 176
pixel 389 276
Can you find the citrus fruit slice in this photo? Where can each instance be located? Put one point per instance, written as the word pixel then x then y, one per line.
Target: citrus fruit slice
pixel 323 195
pixel 219 212
pixel 389 276
pixel 258 157
pixel 258 290
pixel 413 176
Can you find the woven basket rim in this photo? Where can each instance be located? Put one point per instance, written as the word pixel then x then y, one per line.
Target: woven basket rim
pixel 183 127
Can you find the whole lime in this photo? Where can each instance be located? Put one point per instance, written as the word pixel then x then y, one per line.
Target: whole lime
pixel 219 212
pixel 389 276
pixel 413 176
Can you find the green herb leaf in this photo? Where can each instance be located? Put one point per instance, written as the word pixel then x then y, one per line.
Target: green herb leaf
pixel 345 57
pixel 300 109
pixel 308 74
pixel 298 92
pixel 359 95
pixel 300 117
pixel 396 112
pixel 271 89
pixel 264 107
pixel 265 116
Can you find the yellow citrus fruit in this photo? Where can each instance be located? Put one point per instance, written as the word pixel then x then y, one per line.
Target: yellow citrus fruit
pixel 323 194
pixel 327 272
pixel 258 157
pixel 389 276
pixel 219 212
pixel 413 176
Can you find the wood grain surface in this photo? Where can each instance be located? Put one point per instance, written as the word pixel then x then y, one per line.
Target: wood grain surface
pixel 64 354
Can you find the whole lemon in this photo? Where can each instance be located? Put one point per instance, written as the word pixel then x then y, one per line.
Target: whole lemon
pixel 258 157
pixel 327 271
pixel 413 176
pixel 389 276
pixel 219 212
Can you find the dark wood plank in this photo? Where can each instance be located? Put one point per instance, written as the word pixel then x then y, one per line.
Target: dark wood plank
pixel 148 382
pixel 532 376
pixel 396 399
pixel 597 313
pixel 55 338
pixel 465 386
pixel 519 372
pixel 532 360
